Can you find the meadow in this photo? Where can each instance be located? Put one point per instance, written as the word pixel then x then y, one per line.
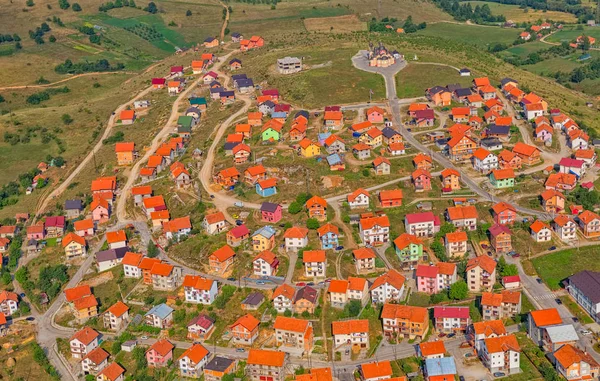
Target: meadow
pixel 556 267
pixel 517 14
pixel 479 35
pixel 414 79
pixel 570 33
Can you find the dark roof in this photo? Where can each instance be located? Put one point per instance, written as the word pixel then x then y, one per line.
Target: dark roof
pixel 254 299
pixel 490 141
pixel 269 104
pixel 245 83
pixel 498 130
pixel 235 35
pixel 235 60
pixel 588 282
pixel 219 364
pixel 229 145
pixel 425 114
pixel 193 109
pixel 389 132
pixel 227 93
pixel 269 207
pixel 111 254
pixel 181 129
pixel 209 39
pixel 235 77
pixel 307 293
pixel 465 70
pixel 506 80
pixel 462 92
pixel 436 89
pixel 73 204
pixel 453 86
pixel 216 90
pixel 215 83
pixel 303 113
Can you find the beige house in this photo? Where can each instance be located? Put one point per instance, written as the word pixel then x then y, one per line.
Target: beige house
pixel 165 277
pixel 500 306
pixel 481 273
pixel 353 333
pixel 293 335
pixel 343 291
pixel 456 244
pixel 364 260
pixel 116 316
pixel 265 365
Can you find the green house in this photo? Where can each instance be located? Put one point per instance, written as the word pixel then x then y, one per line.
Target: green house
pixel 409 249
pixel 502 178
pixel 199 102
pixel 185 121
pixel 269 134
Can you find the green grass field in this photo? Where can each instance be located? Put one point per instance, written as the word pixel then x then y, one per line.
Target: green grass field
pixel 552 65
pixel 554 268
pixel 524 50
pixel 570 33
pixel 413 80
pixel 516 14
pixel 481 36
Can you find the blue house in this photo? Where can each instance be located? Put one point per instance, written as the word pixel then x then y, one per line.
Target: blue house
pixel 329 236
pixel 266 187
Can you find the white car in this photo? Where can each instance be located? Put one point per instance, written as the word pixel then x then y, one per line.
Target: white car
pixel 585 332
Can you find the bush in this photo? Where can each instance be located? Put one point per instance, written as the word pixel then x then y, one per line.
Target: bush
pixel 312 223
pixel 76 7
pixel 66 119
pixel 63 4
pixel 188 13
pixel 459 290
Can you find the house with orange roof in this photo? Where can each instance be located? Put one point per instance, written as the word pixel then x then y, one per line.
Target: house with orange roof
pixel 381 166
pixel 434 278
pixel 460 114
pixel 317 208
pixel 507 159
pixel 504 213
pixel 500 238
pixel 165 277
pixel 414 107
pixel 125 153
pixel 100 209
pixel 315 263
pixel 293 335
pixel 362 151
pixel 116 239
pixel 193 360
pixel 359 199
pixel 244 331
pixel 504 305
pixel 502 178
pixel 423 161
pixel 376 371
pixel 104 184
pixel 180 175
pixel 432 350
pixel 350 334
pixel 214 223
pixel 333 119
pixel 131 265
pixel 388 287
pixel 451 179
pixel 95 361
pixel 577 139
pixel 409 249
pixel 159 218
pixel 175 87
pixel 113 372
pixel 139 193
pixel 396 149
pixel 544 133
pixel 266 365
pixel 456 243
pixel 494 104
pixel 421 179
pixel 227 178
pixel 589 223
pixel 199 290
pixel 295 238
pixel 390 198
pixel 575 364
pixel 255 118
pixel 127 117
pixel 540 231
pixel 116 316
pixel 266 188
pixel 74 246
pixel 265 264
pixel 254 174
pixel 329 236
pixel 460 129
pixel 481 273
pixel 154 204
pixel 177 228
pixel 374 230
pixel 529 154
pixel 480 82
pixel 475 122
pixel 475 100
pixel 283 297
pixel 461 147
pixel 342 291
pixel 440 96
pixel 561 181
pixel 588 156
pixel 375 114
pixel 360 128
pixel 145 266
pixel 401 321
pixel 220 260
pixel 486 329
pixel 308 148
pixel 487 92
pixel 84 228
pixel 565 227
pixel 372 137
pixel 364 260
pixel 463 216
pixel 501 354
pixel 83 342
pixel 9 303
pixel 160 354
pixel 298 131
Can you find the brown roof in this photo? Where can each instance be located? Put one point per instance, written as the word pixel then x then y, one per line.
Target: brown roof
pixel 97 356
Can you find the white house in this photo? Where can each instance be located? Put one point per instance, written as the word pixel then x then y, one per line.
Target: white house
pixel 9 302
pixel 501 354
pixel 131 265
pixel 95 361
pixel 484 161
pixel 193 360
pixel 295 238
pixel 199 290
pixel 388 287
pixel 424 224
pixel 540 231
pixel 283 298
pixel 574 166
pixel 83 342
pixel 565 228
pixel 353 333
pixel 374 230
pixel 315 263
pixel 358 199
pixel 265 264
pixel 214 223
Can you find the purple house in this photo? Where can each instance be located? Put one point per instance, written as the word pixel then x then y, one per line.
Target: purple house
pixel 271 212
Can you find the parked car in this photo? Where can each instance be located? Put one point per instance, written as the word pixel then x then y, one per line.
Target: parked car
pixel 239 204
pixel 558 301
pixel 442 334
pixel 538 280
pixel 552 248
pixel 261 282
pixel 575 320
pixel 339 248
pixel 240 350
pixel 499 374
pixel 585 332
pixel 231 279
pixel 516 255
pixel 301 284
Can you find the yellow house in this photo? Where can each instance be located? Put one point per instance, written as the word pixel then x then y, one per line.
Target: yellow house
pixel 263 239
pixel 74 245
pixel 309 148
pixel 373 138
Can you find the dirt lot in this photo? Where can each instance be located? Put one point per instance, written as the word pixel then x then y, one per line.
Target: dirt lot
pixel 339 24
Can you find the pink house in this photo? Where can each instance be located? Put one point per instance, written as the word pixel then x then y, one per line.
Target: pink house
pixel 159 354
pixel 36 232
pixel 100 210
pixel 271 212
pixel 422 180
pixel 375 114
pixel 84 228
pixel 432 279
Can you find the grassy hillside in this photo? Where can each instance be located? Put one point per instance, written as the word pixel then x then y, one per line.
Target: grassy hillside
pixel 479 35
pixel 517 14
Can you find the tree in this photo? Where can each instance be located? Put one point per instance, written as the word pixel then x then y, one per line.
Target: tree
pixel 18 46
pixel 52 38
pixel 510 270
pixel 295 208
pixel 585 43
pixel 29 3
pixel 459 290
pixel 66 118
pixel 2 99
pixel 76 7
pixel 179 316
pixel 188 13
pixel 287 313
pixel 45 27
pixel 353 308
pixel 63 4
pixel 152 250
pixel 152 8
pixel 312 223
pixel 59 161
pixel 139 354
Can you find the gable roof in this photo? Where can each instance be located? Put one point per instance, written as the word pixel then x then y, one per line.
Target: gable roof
pixel 485 262
pixel 392 277
pixel 543 318
pixel 266 357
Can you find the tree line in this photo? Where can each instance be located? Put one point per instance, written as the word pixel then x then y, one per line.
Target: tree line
pixel 68 67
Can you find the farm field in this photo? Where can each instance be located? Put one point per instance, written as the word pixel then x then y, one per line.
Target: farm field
pixel 552 65
pixel 570 33
pixel 555 267
pixel 516 14
pixel 339 24
pixel 524 50
pixel 478 35
pixel 413 80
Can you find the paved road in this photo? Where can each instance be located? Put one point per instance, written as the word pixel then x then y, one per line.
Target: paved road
pixel 395 104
